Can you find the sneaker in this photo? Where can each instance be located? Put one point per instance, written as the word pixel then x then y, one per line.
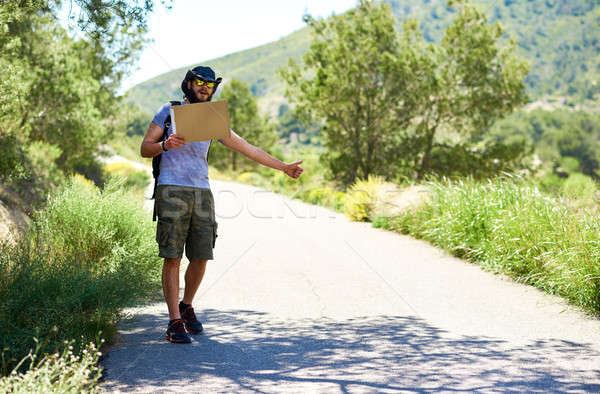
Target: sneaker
pixel 176 332
pixel 191 324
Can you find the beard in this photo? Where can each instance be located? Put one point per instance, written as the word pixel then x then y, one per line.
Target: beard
pixel 192 95
pixel 203 97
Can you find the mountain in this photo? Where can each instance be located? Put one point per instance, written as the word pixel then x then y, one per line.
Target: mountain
pixel 560 39
pixel 257 66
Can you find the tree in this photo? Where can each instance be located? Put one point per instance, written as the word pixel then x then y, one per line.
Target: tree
pixel 383 98
pixel 59 95
pixel 356 80
pixel 474 82
pixel 290 129
pixel 574 142
pixel 245 119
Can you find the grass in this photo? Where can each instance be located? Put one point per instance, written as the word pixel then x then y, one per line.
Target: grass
pixel 63 372
pixel 509 226
pixel 88 254
pixel 129 147
pixel 133 178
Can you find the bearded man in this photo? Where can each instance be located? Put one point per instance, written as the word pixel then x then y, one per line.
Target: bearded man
pixel 184 202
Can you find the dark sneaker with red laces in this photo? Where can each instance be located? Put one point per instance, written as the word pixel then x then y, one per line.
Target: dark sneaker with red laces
pixel 190 322
pixel 176 332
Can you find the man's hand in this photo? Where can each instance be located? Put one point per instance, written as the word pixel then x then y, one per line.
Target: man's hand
pixel 293 170
pixel 174 141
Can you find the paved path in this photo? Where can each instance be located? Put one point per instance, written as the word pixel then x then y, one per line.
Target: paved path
pixel 301 300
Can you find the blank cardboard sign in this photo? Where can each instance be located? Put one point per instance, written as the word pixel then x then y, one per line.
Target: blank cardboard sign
pixel 201 121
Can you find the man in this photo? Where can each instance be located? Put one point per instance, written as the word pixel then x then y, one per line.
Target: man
pixel 184 202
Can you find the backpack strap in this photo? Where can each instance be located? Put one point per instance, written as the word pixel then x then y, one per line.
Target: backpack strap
pixel 156 159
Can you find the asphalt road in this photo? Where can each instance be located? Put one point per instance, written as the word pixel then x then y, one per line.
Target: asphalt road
pixel 299 299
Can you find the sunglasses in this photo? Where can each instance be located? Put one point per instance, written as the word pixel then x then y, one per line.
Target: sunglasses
pixel 201 82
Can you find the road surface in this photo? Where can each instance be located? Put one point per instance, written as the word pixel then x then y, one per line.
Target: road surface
pixel 299 299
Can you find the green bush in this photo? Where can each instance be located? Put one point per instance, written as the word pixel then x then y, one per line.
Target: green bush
pixel 63 372
pixel 361 199
pixel 326 196
pixel 509 226
pixel 550 183
pixel 132 177
pixel 12 158
pixel 103 230
pixel 251 178
pixel 570 165
pixel 581 190
pixel 88 254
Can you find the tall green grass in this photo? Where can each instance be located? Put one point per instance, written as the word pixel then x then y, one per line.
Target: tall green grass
pixel 133 178
pixel 509 226
pixel 88 254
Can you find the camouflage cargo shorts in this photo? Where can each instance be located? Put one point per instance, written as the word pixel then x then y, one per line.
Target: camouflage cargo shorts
pixel 186 216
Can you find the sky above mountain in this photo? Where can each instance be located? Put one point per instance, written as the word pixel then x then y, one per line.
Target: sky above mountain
pixel 195 31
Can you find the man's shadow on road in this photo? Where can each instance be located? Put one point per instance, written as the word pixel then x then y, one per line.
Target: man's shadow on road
pixel 252 350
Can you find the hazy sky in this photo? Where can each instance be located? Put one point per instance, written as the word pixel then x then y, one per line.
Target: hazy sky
pixel 194 31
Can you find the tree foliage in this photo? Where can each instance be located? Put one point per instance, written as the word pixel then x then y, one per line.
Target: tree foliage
pixel 246 120
pixel 565 141
pixel 59 97
pixel 290 129
pixel 357 74
pixel 390 103
pixel 474 82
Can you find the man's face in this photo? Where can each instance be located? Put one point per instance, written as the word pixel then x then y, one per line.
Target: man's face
pixel 201 89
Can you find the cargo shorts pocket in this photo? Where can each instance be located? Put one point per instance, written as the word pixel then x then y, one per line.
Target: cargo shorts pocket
pixel 162 233
pixel 215 235
pixel 169 239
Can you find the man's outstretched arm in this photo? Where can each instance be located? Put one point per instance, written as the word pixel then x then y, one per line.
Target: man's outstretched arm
pixel 238 144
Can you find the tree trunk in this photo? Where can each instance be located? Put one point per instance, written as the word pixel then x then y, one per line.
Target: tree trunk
pixel 370 150
pixel 426 155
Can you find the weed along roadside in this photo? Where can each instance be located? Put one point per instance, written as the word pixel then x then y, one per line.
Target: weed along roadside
pixel 88 254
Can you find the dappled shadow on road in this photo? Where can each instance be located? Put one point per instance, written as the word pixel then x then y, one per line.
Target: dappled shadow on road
pixel 247 350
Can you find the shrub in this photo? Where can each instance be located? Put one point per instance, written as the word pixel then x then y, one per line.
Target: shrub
pixel 550 183
pixel 327 197
pixel 87 254
pixel 133 178
pixel 62 372
pixel 363 197
pixel 100 229
pixel 339 200
pixel 251 178
pixel 569 165
pixel 581 189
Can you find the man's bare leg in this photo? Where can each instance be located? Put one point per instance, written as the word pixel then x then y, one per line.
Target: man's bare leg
pixel 170 283
pixel 193 278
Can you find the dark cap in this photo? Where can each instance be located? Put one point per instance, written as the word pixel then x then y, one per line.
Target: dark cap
pixel 205 73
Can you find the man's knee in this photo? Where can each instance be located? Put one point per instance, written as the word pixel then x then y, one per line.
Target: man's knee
pixel 198 262
pixel 172 262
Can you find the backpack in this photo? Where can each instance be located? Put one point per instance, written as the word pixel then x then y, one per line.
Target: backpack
pixel 156 159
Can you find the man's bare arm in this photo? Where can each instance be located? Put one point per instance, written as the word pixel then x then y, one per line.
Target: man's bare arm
pixel 238 144
pixel 151 145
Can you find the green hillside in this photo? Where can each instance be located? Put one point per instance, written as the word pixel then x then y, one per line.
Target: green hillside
pixel 560 38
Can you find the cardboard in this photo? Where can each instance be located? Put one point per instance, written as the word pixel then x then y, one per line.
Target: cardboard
pixel 201 121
